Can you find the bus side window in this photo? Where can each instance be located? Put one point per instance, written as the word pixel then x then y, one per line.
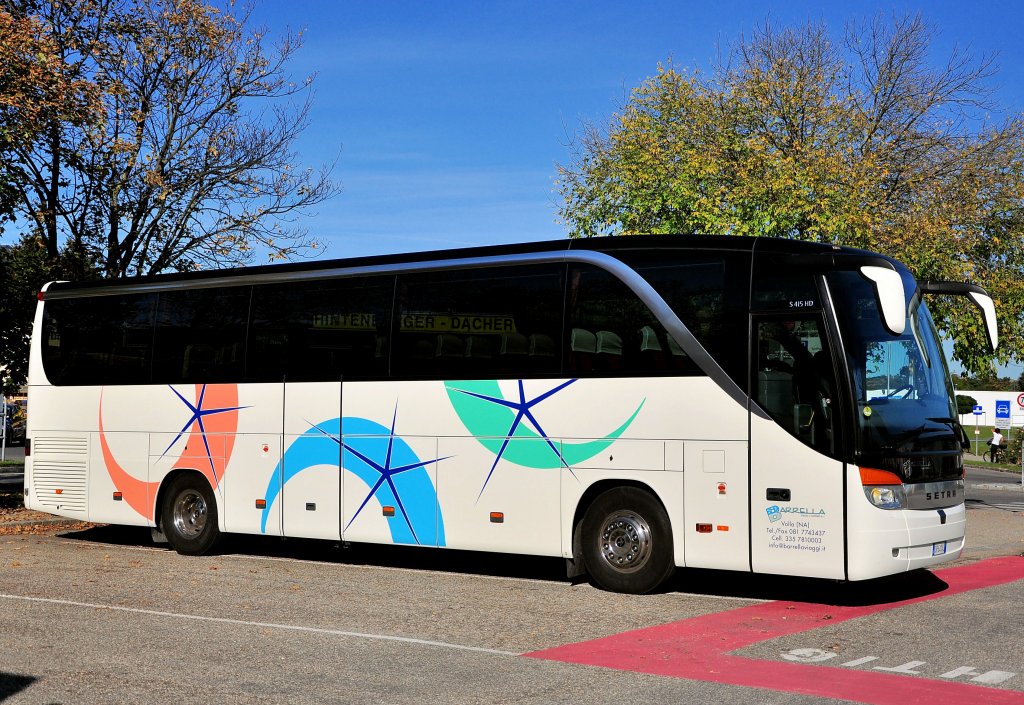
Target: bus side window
pixel 101 340
pixel 708 291
pixel 610 331
pixel 794 379
pixel 200 335
pixel 495 322
pixel 320 330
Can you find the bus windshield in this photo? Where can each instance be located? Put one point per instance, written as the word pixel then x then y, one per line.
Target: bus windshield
pixel 905 412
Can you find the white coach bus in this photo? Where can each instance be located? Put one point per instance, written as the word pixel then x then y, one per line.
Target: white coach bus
pixel 631 404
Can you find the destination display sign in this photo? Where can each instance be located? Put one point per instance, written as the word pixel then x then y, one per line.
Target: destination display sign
pixel 457 323
pixel 344 321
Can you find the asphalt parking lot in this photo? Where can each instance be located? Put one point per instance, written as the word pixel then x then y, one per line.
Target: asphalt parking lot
pixel 100 615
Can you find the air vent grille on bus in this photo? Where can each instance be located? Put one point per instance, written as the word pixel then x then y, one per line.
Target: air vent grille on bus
pixel 60 467
pixel 60 484
pixel 60 445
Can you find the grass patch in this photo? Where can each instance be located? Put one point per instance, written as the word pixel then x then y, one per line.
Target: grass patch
pixel 1001 467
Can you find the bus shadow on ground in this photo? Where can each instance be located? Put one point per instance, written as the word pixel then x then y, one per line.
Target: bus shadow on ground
pixel 11 684
pixel 335 552
pixel 878 591
pixel 713 583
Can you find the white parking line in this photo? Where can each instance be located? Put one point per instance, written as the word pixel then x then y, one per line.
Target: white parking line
pixel 263 625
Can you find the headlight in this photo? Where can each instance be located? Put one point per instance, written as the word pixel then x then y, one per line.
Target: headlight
pixel 883 489
pixel 886 497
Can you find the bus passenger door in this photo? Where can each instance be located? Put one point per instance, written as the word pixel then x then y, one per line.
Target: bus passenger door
pixel 796 484
pixel 310 478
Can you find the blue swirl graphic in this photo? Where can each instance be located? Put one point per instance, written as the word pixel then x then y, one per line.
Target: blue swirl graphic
pixel 365 445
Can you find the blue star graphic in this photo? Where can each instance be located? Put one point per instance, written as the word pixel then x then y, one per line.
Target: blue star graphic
pixel 198 414
pixel 523 411
pixel 386 472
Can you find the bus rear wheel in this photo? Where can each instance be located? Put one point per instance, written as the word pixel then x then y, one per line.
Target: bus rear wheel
pixel 188 515
pixel 627 541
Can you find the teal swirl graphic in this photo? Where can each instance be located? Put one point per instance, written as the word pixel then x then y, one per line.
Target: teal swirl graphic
pixel 498 424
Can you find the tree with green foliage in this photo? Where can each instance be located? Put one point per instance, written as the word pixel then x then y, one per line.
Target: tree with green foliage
pixel 965 404
pixel 987 381
pixel 22 268
pixel 859 141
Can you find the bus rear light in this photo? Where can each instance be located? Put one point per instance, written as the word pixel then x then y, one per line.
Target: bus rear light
pixel 41 296
pixel 703 528
pixel 28 447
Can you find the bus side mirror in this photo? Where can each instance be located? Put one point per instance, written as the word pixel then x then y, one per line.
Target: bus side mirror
pixel 977 296
pixel 988 311
pixel 892 302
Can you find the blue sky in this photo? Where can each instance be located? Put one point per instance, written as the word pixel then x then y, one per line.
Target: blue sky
pixel 448 118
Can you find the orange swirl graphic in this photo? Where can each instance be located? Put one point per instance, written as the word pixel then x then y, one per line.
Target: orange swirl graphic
pixel 208 454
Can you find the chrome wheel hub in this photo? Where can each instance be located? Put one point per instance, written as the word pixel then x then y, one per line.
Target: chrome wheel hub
pixel 189 515
pixel 625 541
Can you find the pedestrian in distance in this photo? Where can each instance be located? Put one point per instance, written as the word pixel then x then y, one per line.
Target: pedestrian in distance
pixel 994 444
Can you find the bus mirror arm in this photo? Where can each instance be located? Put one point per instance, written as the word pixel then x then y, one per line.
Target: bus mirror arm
pixel 978 296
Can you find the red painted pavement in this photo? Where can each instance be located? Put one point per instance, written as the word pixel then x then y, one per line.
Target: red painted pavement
pixel 698 648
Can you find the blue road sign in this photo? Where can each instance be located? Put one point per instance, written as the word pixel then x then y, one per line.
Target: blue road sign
pixel 977 410
pixel 1002 413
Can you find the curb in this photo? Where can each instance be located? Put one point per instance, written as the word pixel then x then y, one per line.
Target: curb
pixel 42 522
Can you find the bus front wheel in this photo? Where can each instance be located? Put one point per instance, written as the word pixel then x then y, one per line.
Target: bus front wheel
pixel 188 516
pixel 627 541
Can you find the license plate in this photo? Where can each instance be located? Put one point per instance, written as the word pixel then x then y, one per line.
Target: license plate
pixel 938 549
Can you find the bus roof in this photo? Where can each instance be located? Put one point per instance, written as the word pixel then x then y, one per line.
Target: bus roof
pixel 599 244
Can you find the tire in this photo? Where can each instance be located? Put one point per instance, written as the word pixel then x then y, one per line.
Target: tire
pixel 626 541
pixel 188 515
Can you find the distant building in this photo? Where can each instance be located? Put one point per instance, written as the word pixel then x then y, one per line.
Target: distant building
pixel 987 401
